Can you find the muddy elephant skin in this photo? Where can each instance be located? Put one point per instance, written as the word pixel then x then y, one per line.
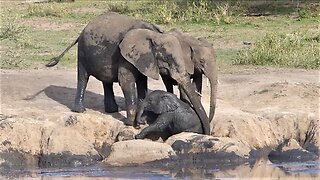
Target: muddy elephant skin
pixel 99 56
pixel 200 56
pixel 155 54
pixel 173 115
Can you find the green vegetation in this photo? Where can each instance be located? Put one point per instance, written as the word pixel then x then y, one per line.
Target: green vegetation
pixel 281 33
pixel 287 50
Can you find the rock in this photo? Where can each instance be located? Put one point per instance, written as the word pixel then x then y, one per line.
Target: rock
pixel 267 127
pixel 99 129
pixel 22 135
pixel 290 150
pixel 64 146
pixel 70 141
pixel 127 133
pixel 137 152
pixel 219 149
pixel 12 158
pixel 20 142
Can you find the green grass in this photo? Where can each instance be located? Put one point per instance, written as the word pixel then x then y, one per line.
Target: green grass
pixel 297 50
pixel 31 34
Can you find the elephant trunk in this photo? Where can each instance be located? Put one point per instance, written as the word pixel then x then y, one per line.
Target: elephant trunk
pixel 195 101
pixel 140 110
pixel 213 79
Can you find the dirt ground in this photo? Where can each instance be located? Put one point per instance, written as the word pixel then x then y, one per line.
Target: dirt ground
pixel 46 94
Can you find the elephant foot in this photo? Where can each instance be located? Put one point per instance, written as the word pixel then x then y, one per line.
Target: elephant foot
pixel 78 109
pixel 137 126
pixel 138 123
pixel 139 136
pixel 111 109
pixel 128 122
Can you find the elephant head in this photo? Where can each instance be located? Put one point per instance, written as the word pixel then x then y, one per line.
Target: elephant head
pixel 155 53
pixel 158 102
pixel 200 54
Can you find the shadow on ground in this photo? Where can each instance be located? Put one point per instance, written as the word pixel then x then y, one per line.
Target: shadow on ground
pixel 66 95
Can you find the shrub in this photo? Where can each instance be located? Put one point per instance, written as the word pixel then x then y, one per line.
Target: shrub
pixel 11 30
pixel 119 6
pixel 167 12
pixel 291 50
pixel 48 9
pixel 309 11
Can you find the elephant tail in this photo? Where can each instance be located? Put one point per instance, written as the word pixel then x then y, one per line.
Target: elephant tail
pixel 56 60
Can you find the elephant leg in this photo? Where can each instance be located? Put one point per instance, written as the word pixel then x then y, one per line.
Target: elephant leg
pixel 161 124
pixel 83 78
pixel 127 82
pixel 168 83
pixel 142 87
pixel 110 104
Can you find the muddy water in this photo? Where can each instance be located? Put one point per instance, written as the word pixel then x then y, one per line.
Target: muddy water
pixel 261 169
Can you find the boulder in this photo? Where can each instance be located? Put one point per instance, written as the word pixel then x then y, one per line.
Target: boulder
pixel 127 133
pixel 266 127
pixel 218 149
pixel 98 128
pixel 72 140
pixel 290 150
pixel 137 152
pixel 64 146
pixel 20 142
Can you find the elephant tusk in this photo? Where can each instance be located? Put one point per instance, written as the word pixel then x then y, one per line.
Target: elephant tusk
pixel 198 93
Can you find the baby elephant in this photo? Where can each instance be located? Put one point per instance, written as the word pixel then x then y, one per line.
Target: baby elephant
pixel 173 115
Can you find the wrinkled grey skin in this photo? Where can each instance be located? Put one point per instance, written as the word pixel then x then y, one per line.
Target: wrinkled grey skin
pixel 155 53
pixel 199 55
pixel 173 115
pixel 99 56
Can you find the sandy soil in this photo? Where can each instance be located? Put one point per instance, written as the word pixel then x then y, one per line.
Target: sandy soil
pixel 48 93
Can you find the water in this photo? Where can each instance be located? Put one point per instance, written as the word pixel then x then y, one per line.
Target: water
pixel 261 169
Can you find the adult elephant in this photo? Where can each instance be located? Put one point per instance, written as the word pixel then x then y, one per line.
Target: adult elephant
pixel 99 56
pixel 153 53
pixel 199 56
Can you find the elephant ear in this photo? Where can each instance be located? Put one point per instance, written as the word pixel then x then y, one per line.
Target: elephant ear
pixel 187 56
pixel 169 103
pixel 136 49
pixel 186 48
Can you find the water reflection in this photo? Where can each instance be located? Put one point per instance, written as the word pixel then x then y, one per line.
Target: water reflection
pixel 262 168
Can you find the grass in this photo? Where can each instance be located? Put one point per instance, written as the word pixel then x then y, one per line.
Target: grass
pixel 297 50
pixel 31 34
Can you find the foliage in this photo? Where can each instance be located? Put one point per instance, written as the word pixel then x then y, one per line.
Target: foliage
pixel 288 50
pixel 29 41
pixel 168 12
pixel 308 11
pixel 11 30
pixel 49 9
pixel 119 7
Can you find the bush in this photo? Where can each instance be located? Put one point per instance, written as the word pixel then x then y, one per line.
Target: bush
pixel 11 30
pixel 291 50
pixel 309 11
pixel 48 9
pixel 168 12
pixel 119 6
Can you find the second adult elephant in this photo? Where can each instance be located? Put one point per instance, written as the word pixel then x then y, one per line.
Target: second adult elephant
pixel 153 53
pixel 199 55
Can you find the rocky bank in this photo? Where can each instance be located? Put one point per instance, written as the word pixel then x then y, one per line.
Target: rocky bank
pixel 271 113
